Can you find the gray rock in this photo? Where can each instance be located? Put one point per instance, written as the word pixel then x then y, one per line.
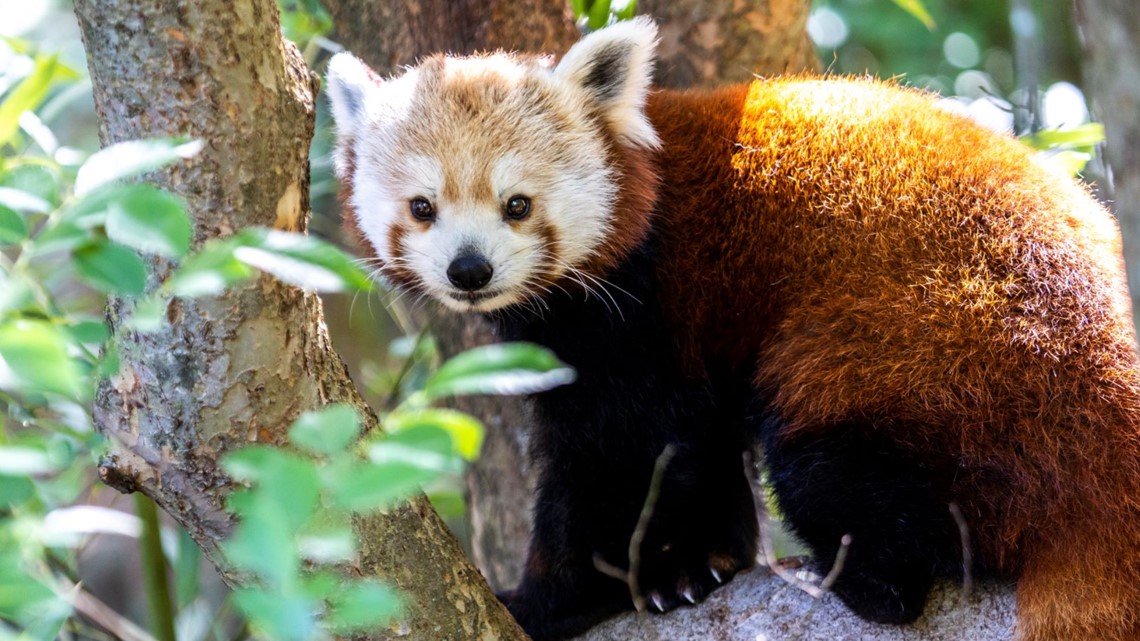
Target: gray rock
pixel 758 606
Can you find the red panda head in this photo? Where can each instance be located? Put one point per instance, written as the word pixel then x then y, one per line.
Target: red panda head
pixel 484 180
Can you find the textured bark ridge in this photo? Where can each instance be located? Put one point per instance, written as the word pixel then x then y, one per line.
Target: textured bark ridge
pixel 238 369
pixel 1110 31
pixel 710 42
pixel 390 33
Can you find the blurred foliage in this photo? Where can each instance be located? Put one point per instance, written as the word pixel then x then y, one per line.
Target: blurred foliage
pixel 881 39
pixel 296 516
pixel 595 14
pixel 964 50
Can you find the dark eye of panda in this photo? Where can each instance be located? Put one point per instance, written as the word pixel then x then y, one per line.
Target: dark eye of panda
pixel 518 207
pixel 422 210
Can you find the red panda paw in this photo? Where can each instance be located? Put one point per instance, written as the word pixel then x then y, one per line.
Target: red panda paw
pixel 668 584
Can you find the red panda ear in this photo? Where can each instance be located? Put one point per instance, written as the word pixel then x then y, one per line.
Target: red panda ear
pixel 615 66
pixel 349 84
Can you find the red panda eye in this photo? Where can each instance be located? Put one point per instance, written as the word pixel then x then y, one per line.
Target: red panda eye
pixel 422 210
pixel 518 207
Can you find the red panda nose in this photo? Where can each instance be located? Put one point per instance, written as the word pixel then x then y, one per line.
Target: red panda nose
pixel 470 272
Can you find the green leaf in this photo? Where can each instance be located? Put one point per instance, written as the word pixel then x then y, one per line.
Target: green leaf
pixel 14 490
pixel 23 598
pixel 148 219
pixel 149 314
pixel 377 488
pixel 329 544
pixel 625 12
pixel 427 447
pixel 510 368
pixel 20 200
pixel 60 236
pixel 285 479
pixel 1069 162
pixel 363 604
pixel 578 7
pixel 36 354
pixel 599 14
pixel 917 9
pixel 301 260
pixel 399 464
pixel 13 229
pixel 208 272
pixel 327 430
pixel 126 159
pixel 16 292
pixel 26 96
pixel 1086 136
pixel 108 364
pixel 263 542
pixel 19 460
pixel 35 179
pixel 111 268
pixel 88 331
pixel 466 431
pixel 278 616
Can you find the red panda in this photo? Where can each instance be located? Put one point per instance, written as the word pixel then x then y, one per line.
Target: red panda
pixel 904 310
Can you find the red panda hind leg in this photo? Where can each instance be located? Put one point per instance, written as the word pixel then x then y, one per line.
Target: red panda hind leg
pixel 852 482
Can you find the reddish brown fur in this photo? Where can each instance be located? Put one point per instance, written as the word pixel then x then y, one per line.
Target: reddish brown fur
pixel 632 212
pixel 878 258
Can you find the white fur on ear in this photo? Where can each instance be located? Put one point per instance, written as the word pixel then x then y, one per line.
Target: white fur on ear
pixel 615 66
pixel 349 83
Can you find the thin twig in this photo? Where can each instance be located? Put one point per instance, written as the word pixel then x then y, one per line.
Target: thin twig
pixel 638 537
pixel 837 567
pixel 967 549
pixel 413 356
pixel 103 615
pixel 769 550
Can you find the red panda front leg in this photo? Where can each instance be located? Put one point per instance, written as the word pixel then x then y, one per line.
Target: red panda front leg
pixel 596 442
pixel 701 533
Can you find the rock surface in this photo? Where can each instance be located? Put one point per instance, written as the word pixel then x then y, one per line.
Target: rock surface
pixel 758 606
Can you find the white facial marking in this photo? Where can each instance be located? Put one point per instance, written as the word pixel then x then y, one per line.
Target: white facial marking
pixel 467 134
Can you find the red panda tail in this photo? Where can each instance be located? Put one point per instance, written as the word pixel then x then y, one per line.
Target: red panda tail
pixel 1081 578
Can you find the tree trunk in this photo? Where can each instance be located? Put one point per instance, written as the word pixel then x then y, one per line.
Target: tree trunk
pixel 388 34
pixel 705 43
pixel 239 368
pixel 1110 31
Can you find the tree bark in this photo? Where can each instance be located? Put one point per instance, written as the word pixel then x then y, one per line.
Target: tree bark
pixel 388 34
pixel 1110 33
pixel 239 368
pixel 710 42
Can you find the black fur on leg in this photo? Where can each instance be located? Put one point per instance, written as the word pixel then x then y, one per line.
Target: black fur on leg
pixel 846 480
pixel 596 442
